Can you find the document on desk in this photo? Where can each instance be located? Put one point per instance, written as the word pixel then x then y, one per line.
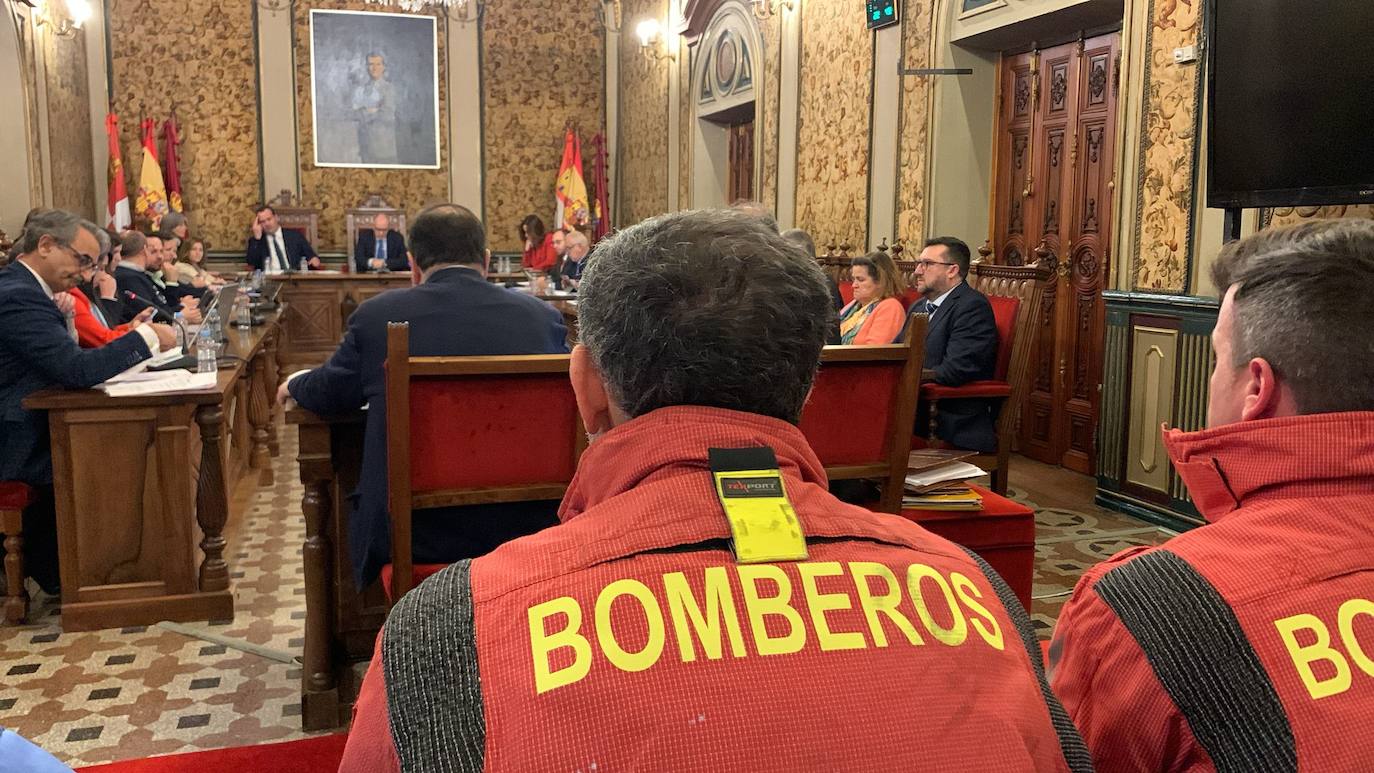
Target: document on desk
pixel 137 371
pixel 161 382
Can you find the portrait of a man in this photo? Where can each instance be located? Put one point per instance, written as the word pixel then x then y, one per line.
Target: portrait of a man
pixel 374 89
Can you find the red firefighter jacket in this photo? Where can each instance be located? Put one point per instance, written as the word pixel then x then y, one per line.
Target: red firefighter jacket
pixel 1259 626
pixel 628 638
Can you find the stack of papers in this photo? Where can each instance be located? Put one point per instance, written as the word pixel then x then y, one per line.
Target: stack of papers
pixel 129 383
pixel 943 488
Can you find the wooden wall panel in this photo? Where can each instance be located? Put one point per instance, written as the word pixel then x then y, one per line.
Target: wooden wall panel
pixel 644 113
pixel 912 141
pixel 69 125
pixel 833 131
pixel 200 64
pixel 542 64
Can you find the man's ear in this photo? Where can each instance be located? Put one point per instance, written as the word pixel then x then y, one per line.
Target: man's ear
pixel 416 275
pixel 1266 397
pixel 593 403
pixel 486 260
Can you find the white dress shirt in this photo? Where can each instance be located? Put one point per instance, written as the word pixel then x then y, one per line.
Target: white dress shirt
pixel 276 253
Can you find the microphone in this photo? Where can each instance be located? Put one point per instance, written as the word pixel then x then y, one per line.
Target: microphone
pixel 185 335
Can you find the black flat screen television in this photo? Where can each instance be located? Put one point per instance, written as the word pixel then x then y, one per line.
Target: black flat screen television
pixel 1290 102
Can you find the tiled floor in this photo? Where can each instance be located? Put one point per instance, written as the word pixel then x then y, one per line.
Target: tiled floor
pixel 121 694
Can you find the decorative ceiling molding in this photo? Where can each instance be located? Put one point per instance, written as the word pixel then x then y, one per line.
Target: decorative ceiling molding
pixel 696 17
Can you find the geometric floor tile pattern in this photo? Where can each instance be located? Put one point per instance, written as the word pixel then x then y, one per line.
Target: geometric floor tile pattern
pixel 127 693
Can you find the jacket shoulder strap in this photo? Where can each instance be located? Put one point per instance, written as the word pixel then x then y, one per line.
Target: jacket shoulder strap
pixel 1199 653
pixel 433 692
pixel 1075 752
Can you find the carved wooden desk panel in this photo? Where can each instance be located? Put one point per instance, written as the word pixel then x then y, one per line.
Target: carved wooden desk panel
pixel 142 487
pixel 318 305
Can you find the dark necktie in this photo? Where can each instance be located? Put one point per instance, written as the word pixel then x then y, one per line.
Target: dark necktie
pixel 931 307
pixel 381 249
pixel 278 252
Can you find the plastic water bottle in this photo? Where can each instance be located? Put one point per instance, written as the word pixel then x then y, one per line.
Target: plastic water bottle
pixel 213 325
pixel 179 330
pixel 205 351
pixel 257 280
pixel 305 264
pixel 243 317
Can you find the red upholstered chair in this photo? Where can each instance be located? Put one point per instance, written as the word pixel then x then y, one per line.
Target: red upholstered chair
pixel 472 430
pixel 861 408
pixel 14 497
pixel 1014 292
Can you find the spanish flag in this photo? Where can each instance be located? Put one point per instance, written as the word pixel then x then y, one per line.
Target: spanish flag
pixel 117 202
pixel 571 190
pixel 151 203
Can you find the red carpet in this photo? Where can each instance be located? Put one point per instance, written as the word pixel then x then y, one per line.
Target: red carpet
pixel 308 755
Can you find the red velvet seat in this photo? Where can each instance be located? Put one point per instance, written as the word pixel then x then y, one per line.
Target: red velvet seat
pixel 1003 533
pixel 471 430
pixel 14 497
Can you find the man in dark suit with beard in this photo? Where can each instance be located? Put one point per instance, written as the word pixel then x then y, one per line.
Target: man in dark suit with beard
pixel 452 310
pixel 276 250
pixel 961 344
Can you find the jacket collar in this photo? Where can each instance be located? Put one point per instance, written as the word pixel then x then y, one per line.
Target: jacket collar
pixel 1240 464
pixel 672 441
pixel 454 273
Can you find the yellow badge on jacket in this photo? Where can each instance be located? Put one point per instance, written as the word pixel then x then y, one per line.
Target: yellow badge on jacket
pixel 762 522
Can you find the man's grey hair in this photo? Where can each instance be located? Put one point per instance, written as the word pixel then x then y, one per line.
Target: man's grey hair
pixel 171 220
pixel 705 307
pixel 802 239
pixel 1305 303
pixel 576 237
pixel 104 238
pixel 59 224
pixel 757 210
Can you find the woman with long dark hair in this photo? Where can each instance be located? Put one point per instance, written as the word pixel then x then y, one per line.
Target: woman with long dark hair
pixel 539 254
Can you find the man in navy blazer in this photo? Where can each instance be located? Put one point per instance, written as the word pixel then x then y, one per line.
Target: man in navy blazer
pixel 961 344
pixel 276 250
pixel 452 310
pixel 37 351
pixel 380 247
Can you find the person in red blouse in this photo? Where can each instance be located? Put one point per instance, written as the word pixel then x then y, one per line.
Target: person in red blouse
pixel 539 254
pixel 95 306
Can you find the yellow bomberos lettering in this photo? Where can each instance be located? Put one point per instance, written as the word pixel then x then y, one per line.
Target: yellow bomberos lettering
pixel 943 603
pixel 985 624
pixel 544 643
pixel 760 608
pixel 1304 655
pixel 1345 622
pixel 820 603
pixel 885 604
pixel 955 634
pixel 688 617
pixel 605 632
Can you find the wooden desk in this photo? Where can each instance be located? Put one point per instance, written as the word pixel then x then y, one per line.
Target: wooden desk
pixel 341 624
pixel 318 305
pixel 142 487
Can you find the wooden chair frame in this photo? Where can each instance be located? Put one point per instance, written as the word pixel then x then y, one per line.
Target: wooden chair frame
pixel 401 369
pixel 892 469
pixel 16 595
pixel 293 216
pixel 1026 283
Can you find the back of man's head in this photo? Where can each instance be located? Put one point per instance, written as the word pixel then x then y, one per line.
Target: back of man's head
pixel 757 210
pixel 132 244
pixel 447 234
pixel 707 307
pixel 801 239
pixel 958 251
pixel 1304 302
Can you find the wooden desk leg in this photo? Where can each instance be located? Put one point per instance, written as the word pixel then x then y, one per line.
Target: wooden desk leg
pixel 273 379
pixel 259 414
pixel 319 687
pixel 212 499
pixel 16 595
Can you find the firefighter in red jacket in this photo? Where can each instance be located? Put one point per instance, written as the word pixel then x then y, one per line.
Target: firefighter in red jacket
pixel 1248 644
pixel 706 604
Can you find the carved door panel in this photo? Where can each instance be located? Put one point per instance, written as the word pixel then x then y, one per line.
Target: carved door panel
pixel 1052 204
pixel 742 161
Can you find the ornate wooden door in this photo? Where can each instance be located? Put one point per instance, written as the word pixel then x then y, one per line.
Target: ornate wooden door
pixel 1057 122
pixel 742 161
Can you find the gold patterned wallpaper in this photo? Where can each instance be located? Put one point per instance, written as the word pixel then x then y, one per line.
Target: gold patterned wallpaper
pixel 69 125
pixel 1169 135
pixel 766 103
pixel 332 189
pixel 912 149
pixel 643 119
pixel 202 66
pixel 684 134
pixel 542 64
pixel 833 130
pixel 1283 216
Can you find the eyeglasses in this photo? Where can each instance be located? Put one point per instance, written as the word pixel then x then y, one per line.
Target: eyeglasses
pixel 83 261
pixel 925 264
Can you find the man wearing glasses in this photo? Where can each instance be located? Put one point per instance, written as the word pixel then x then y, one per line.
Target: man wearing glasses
pixel 961 344
pixel 37 352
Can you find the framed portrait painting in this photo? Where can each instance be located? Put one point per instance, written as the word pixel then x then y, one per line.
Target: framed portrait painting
pixel 374 89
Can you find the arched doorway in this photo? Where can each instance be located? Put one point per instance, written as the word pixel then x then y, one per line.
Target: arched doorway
pixel 725 67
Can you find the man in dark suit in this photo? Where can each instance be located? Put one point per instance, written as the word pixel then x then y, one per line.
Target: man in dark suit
pixel 277 250
pixel 38 352
pixel 131 276
pixel 380 247
pixel 961 344
pixel 452 310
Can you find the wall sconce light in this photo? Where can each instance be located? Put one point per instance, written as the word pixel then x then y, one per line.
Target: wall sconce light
pixel 650 34
pixel 63 18
pixel 765 9
pixel 608 12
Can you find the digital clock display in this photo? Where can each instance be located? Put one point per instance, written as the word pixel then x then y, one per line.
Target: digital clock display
pixel 881 13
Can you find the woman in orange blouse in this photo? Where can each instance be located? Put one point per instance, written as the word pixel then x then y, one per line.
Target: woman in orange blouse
pixel 875 316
